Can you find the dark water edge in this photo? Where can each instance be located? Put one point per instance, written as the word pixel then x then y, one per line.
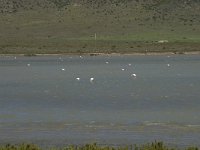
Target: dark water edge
pixel 57 135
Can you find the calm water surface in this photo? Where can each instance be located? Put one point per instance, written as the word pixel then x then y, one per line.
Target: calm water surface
pixel 41 101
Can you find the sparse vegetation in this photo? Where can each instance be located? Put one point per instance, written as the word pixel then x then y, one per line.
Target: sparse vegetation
pixel 149 146
pixel 68 26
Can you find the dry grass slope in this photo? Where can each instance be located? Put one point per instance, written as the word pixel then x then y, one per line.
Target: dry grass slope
pixel 123 26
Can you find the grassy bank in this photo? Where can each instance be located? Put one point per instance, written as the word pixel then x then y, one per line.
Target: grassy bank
pixel 120 27
pixel 149 146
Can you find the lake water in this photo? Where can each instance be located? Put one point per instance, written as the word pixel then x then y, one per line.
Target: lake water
pixel 41 101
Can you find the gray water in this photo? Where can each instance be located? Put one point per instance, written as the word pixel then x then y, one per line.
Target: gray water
pixel 41 101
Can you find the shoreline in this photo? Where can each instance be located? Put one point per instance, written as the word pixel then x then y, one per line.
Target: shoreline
pixel 105 54
pixel 156 145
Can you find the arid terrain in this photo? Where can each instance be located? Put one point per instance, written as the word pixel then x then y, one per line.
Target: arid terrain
pixel 102 26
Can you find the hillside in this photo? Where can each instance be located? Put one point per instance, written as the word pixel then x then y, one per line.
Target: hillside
pixel 65 26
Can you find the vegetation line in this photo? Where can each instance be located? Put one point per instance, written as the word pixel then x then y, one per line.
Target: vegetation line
pixel 149 146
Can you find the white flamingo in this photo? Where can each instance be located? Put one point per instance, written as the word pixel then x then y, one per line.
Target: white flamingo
pixel 133 75
pixel 91 79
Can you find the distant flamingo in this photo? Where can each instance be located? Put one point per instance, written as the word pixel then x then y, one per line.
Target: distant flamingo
pixel 91 79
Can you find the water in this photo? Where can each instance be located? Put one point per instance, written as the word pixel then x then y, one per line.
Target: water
pixel 41 101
